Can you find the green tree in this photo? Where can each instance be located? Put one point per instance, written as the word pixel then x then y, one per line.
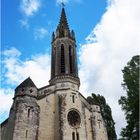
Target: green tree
pixel 130 102
pixel 106 114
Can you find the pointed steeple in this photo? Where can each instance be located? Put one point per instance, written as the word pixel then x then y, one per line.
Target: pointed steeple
pixel 63 62
pixel 63 27
pixel 63 20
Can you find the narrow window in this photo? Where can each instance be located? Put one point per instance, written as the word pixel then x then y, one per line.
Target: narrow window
pixel 62 59
pixel 73 99
pixel 77 134
pixel 26 133
pixel 99 124
pixel 73 135
pixel 70 59
pixel 29 110
pixel 53 62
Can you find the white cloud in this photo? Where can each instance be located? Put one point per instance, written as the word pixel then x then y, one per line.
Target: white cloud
pixel 29 7
pixel 40 33
pixel 17 70
pixel 6 96
pixel 109 47
pixel 5 99
pixel 13 52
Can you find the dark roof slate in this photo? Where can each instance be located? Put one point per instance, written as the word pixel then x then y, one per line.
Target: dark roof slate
pixel 63 20
pixel 27 83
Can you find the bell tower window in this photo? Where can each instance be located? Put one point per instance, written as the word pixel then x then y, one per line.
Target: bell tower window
pixel 70 58
pixel 62 59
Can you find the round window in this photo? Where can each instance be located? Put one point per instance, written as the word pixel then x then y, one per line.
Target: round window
pixel 74 118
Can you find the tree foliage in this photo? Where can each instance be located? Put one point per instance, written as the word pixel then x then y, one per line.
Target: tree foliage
pixel 130 102
pixel 106 114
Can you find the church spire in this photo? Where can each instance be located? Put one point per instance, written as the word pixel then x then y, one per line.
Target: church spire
pixel 63 27
pixel 63 20
pixel 63 62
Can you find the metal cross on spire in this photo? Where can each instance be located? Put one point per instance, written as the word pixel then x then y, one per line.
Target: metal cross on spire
pixel 63 4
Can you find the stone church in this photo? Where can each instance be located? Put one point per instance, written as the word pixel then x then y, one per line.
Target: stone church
pixel 57 111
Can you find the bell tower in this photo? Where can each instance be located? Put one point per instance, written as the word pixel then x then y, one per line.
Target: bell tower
pixel 63 60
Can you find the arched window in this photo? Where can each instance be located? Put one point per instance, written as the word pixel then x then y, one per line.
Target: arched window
pixel 73 99
pixel 77 135
pixel 73 135
pixel 29 110
pixel 53 62
pixel 70 59
pixel 62 59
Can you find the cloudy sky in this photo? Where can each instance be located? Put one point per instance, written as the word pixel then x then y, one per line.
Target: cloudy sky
pixel 107 35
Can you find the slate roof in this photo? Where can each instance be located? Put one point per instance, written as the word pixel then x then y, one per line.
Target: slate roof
pixel 27 83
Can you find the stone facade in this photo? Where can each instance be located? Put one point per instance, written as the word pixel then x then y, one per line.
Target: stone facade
pixel 57 111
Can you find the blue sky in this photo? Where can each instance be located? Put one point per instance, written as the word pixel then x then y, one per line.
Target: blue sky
pixel 107 35
pixel 82 17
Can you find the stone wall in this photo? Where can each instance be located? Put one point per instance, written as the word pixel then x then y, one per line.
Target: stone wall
pixel 66 105
pixel 27 116
pixel 8 125
pixel 3 127
pixel 89 129
pixel 46 118
pixel 99 129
